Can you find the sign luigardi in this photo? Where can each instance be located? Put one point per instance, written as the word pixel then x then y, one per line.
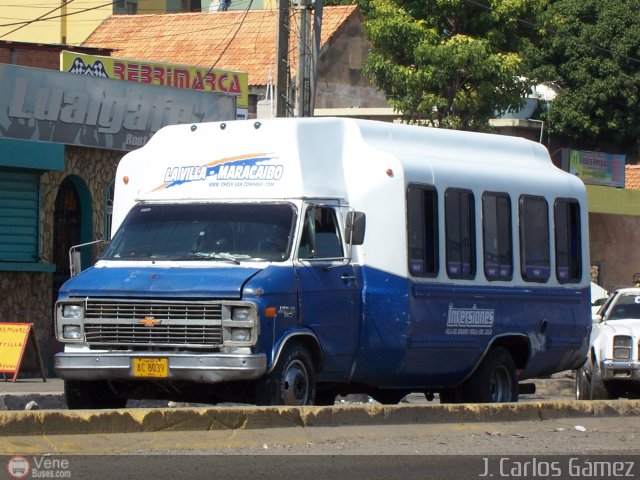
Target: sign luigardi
pixel 45 105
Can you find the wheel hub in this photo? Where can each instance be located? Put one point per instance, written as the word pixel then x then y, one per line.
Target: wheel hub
pixel 295 384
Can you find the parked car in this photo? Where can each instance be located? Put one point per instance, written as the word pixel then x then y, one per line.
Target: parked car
pixel 612 368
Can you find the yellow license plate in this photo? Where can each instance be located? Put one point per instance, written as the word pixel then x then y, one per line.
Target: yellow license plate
pixel 150 367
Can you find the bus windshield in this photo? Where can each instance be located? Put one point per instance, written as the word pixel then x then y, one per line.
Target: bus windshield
pixel 205 231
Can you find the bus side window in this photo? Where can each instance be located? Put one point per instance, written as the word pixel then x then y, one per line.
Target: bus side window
pixel 568 241
pixel 321 236
pixel 422 230
pixel 534 239
pixel 497 241
pixel 460 233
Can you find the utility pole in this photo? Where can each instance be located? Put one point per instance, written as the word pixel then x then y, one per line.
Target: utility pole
pixel 315 53
pixel 303 81
pixel 282 59
pixel 63 22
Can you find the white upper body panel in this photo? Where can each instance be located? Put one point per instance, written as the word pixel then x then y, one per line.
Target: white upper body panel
pixel 364 164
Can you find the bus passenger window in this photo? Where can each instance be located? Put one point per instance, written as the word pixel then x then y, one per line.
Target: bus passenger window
pixel 534 239
pixel 460 233
pixel 422 230
pixel 496 227
pixel 568 240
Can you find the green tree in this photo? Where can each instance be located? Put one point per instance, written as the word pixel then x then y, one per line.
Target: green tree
pixel 591 50
pixel 449 63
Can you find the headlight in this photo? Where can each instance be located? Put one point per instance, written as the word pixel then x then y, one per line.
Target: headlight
pixel 622 341
pixel 622 347
pixel 69 319
pixel 241 314
pixel 71 311
pixel 240 327
pixel 240 334
pixel 72 332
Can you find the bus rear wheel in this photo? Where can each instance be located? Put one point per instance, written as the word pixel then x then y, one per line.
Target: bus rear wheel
pixel 495 380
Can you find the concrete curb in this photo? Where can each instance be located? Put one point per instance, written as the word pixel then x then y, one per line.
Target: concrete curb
pixel 58 422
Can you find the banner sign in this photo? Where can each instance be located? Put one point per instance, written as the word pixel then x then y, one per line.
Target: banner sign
pixel 215 80
pixel 13 339
pixel 50 106
pixel 596 168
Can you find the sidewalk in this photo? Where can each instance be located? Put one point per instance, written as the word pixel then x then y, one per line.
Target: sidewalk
pixel 30 385
pixel 18 395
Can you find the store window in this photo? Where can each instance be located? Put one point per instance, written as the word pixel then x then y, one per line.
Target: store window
pixel 19 215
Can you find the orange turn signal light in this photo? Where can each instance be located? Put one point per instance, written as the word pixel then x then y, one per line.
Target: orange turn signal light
pixel 270 312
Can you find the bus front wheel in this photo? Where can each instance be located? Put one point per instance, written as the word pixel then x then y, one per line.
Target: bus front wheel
pixel 291 382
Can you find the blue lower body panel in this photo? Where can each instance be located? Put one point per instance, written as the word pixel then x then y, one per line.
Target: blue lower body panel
pixel 427 335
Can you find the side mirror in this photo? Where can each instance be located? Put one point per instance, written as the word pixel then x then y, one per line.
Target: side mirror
pixel 75 262
pixel 596 318
pixel 75 257
pixel 355 227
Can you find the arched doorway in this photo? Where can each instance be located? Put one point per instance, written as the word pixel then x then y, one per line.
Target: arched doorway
pixel 71 225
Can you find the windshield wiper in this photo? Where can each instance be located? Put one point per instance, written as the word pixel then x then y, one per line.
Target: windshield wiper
pixel 211 256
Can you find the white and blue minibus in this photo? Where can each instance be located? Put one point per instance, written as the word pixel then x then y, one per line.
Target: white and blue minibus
pixel 288 261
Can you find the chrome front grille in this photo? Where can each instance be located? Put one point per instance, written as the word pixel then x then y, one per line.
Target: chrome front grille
pixel 123 323
pixel 125 310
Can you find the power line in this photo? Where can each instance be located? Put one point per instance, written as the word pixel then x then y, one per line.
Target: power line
pixel 43 17
pixel 226 47
pixel 147 11
pixel 226 26
pixel 36 19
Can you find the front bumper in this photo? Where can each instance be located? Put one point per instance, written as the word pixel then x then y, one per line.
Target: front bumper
pixel 620 370
pixel 191 367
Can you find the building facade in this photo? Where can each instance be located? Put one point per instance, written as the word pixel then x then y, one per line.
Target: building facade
pixel 61 138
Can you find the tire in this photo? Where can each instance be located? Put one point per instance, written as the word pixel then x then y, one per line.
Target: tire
pixel 598 390
pixel 495 380
pixel 292 381
pixel 85 395
pixel 583 382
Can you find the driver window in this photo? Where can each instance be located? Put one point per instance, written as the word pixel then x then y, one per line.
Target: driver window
pixel 321 235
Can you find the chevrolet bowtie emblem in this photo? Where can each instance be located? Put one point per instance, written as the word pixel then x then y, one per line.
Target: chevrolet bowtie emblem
pixel 149 322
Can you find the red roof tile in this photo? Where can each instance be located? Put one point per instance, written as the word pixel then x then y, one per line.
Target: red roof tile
pixel 233 40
